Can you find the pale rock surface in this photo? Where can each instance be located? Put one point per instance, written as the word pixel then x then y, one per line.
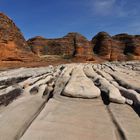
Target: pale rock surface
pixel 81 86
pixel 72 120
pixel 39 110
pixel 128 93
pixel 105 86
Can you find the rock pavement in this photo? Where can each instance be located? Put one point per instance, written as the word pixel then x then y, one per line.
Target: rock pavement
pixel 71 102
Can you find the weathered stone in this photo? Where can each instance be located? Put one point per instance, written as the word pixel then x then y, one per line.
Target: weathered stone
pixel 127 93
pixel 124 80
pixel 63 80
pixel 127 120
pixel 72 120
pixel 19 75
pixel 80 86
pixel 16 118
pixel 10 93
pixel 63 117
pixel 73 44
pixel 105 86
pixel 118 47
pixel 13 46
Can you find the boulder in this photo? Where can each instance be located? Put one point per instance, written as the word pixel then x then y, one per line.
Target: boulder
pixel 110 90
pixel 81 86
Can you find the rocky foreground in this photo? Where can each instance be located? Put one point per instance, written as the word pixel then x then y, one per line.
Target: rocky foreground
pixel 71 102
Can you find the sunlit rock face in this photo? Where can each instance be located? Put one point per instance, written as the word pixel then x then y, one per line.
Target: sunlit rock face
pixel 118 47
pixel 73 44
pixel 131 45
pixel 102 44
pixel 107 47
pixel 13 46
pixel 60 46
pixel 81 44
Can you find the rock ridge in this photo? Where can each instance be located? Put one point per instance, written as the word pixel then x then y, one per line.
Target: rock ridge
pixel 118 47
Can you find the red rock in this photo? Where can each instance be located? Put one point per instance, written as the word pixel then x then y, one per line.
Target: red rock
pixel 13 46
pixel 131 45
pixel 73 44
pixel 118 47
pixel 102 44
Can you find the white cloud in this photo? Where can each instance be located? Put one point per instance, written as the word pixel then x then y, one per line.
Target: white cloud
pixel 103 7
pixel 104 3
pixel 110 7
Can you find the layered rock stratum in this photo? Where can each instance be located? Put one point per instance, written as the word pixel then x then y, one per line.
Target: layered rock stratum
pixel 13 46
pixel 119 47
pixel 71 101
pixel 73 44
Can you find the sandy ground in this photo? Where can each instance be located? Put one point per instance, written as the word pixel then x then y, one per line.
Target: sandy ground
pixel 44 61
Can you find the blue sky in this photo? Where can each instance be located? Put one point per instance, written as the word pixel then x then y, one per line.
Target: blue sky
pixel 55 18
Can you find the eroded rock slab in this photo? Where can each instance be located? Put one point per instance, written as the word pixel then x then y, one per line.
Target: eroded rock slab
pixel 59 102
pixel 127 120
pixel 113 92
pixel 72 120
pixel 15 118
pixel 80 85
